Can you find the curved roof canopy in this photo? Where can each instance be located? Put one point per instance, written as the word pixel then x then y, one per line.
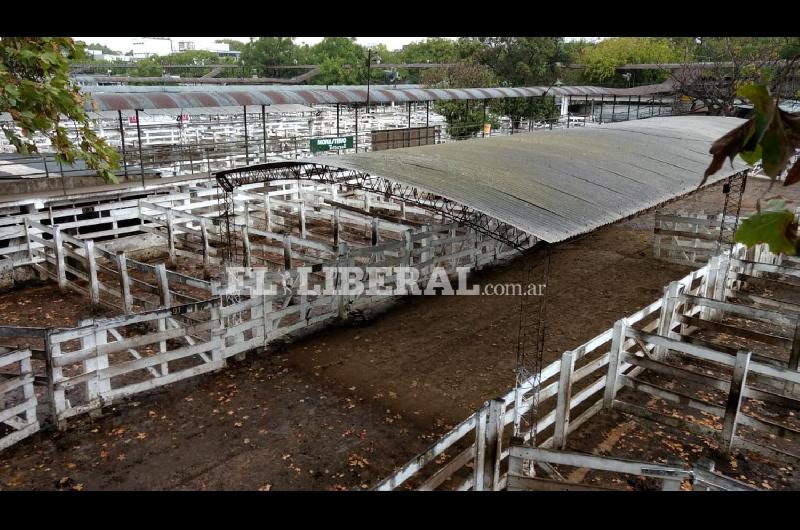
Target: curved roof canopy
pixel 115 98
pixel 559 184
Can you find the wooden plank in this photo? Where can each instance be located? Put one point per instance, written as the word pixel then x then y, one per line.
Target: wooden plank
pixel 517 483
pixel 563 400
pixel 735 398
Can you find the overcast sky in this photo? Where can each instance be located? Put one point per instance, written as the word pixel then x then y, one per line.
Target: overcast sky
pixel 124 44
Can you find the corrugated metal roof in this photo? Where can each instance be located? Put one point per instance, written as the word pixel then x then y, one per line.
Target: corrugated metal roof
pixel 157 98
pixel 559 184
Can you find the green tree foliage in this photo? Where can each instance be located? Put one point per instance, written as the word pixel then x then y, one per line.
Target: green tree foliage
pixel 95 46
pixel 265 51
pixel 463 119
pixel 602 59
pixel 153 66
pixel 431 50
pixel 36 91
pixel 341 60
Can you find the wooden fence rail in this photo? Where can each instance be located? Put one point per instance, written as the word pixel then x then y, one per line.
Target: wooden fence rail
pixel 17 398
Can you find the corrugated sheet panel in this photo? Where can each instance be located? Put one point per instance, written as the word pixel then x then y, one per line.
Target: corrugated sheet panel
pixel 158 98
pixel 562 183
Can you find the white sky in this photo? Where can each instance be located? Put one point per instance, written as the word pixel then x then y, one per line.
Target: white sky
pixel 124 44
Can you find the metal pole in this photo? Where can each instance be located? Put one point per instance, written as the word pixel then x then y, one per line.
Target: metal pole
pixel 638 104
pixel 337 119
pixel 530 117
pixel 483 131
pixel 601 107
pixel 409 114
pixel 629 107
pixel 427 111
pixel 613 108
pixel 585 104
pixel 122 139
pixel 369 71
pixel 139 136
pixel 264 129
pixel 246 150
pixel 356 128
pixel 569 100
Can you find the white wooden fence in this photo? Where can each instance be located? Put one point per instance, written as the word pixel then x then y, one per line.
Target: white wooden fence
pixel 17 398
pixel 599 368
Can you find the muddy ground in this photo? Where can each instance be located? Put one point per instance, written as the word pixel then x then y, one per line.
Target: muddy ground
pixel 342 408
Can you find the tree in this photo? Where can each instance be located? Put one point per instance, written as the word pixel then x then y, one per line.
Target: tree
pixel 431 50
pixel 94 46
pixel 463 119
pixel 772 137
pixel 602 59
pixel 726 63
pixel 153 66
pixel 36 91
pixel 266 51
pixel 342 61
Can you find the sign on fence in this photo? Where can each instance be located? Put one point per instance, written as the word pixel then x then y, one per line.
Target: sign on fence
pixel 331 144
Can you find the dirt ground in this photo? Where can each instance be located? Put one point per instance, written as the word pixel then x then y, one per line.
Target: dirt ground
pixel 342 408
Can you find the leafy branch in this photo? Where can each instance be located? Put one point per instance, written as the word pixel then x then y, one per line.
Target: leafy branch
pixel 771 136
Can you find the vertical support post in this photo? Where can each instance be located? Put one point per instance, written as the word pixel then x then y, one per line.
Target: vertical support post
pixel 171 235
pixel 480 448
pixel 58 248
pixel 342 256
pixel 602 98
pixel 483 125
pixel 97 385
pixel 494 444
pixel 613 109
pixel 374 238
pixel 408 246
pixel 709 284
pixel 794 357
pixel 302 207
pixel 667 316
pixel 246 147
pixel 166 303
pixel 638 106
pixel 356 146
pixel 267 212
pixel 569 100
pixel 614 356
pixel 427 112
pixel 204 238
pixel 94 287
pixel 564 397
pixel 139 136
pixel 629 107
pixel 408 105
pixel 264 130
pixel 122 141
pixel 337 119
pixel 735 398
pixel 336 226
pixel 124 283
pixel 248 260
pixel 287 252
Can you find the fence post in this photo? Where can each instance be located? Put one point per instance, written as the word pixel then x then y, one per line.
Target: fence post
pixel 166 302
pixel 494 444
pixel 480 448
pixel 794 357
pixel 564 396
pixel 124 283
pixel 302 206
pixel 26 223
pixel 667 317
pixel 614 354
pixel 94 287
pixel 735 399
pixel 171 236
pixel 408 246
pixel 336 228
pixel 58 248
pixel 709 285
pixel 95 387
pixel 204 237
pixel 267 214
pixel 343 256
pixel 246 246
pixel 287 252
pixel 58 402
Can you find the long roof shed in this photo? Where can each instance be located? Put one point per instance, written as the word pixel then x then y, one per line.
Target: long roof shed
pixel 559 184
